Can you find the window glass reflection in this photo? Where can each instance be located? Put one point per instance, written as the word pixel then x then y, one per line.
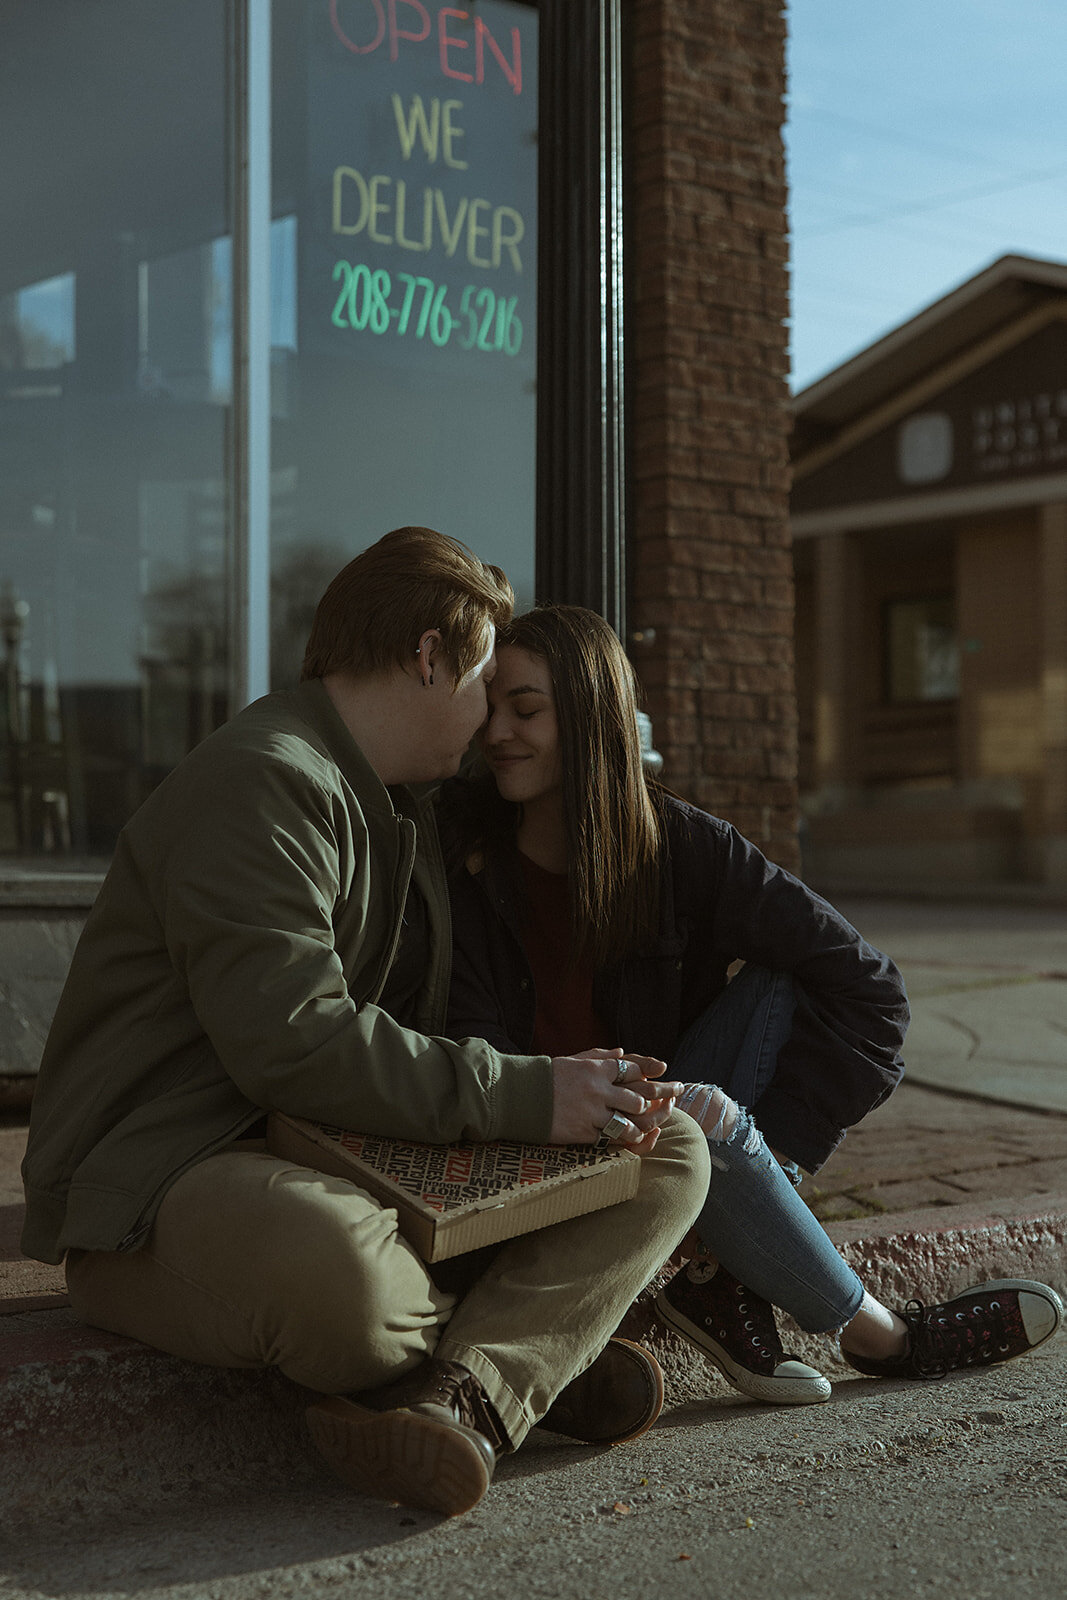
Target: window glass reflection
pixel 115 379
pixel 36 328
pixel 185 324
pixel 405 155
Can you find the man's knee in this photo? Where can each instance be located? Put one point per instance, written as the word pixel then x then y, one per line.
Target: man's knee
pixel 682 1152
pixel 255 1262
pixel 352 1306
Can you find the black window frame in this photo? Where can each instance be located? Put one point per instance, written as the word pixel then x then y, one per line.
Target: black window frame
pixel 581 424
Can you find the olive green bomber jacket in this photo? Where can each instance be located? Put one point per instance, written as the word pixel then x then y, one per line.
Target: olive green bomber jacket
pixel 230 965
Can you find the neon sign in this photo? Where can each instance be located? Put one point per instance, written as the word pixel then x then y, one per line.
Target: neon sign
pixel 362 304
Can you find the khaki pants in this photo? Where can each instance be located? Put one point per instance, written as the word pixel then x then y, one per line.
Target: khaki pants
pixel 254 1262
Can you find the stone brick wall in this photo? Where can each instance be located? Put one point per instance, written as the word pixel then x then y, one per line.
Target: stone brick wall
pixel 708 353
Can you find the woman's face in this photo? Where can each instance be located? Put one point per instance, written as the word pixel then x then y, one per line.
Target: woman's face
pixel 520 740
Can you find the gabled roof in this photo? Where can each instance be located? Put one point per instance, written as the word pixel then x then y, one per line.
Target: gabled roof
pixel 994 298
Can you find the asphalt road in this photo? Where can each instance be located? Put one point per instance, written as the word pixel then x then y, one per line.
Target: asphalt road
pixel 957 1487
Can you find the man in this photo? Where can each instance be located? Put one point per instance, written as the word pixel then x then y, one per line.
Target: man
pixel 231 966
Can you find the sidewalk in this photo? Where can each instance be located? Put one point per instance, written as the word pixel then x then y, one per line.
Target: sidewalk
pixel 988 990
pixel 961 1175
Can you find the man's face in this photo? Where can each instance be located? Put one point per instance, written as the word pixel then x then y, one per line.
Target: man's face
pixel 454 713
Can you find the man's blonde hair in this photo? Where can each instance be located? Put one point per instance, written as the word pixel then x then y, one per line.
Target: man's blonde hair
pixel 376 610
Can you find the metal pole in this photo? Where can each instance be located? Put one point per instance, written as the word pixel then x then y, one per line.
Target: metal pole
pixel 250 672
pixel 613 489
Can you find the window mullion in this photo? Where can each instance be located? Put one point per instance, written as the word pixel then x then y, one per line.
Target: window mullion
pixel 251 350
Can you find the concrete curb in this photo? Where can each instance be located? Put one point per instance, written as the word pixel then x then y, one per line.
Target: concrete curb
pixel 92 1423
pixel 942 1249
pixel 929 1254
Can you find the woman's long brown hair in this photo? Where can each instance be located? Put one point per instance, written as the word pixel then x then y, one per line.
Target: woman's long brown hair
pixel 614 837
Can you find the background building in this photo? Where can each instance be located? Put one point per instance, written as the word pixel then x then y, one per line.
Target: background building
pixel 276 277
pixel 930 524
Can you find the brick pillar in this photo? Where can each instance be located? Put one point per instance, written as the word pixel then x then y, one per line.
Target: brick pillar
pixel 838 665
pixel 1053 568
pixel 709 406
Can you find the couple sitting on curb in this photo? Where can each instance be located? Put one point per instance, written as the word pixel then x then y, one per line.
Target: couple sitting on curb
pixel 273 934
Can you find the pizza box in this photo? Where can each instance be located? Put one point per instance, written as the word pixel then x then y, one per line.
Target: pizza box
pixel 450 1198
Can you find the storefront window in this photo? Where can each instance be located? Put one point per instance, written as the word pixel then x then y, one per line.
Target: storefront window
pixel 403 353
pixel 922 655
pixel 115 386
pixel 405 167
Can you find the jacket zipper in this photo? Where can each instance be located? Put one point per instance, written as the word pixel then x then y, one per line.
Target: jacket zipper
pixel 441 973
pixel 400 886
pixel 141 1227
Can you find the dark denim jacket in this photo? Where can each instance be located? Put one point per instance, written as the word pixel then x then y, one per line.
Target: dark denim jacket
pixel 721 900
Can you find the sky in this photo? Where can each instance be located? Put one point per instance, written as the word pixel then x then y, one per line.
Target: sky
pixel 925 139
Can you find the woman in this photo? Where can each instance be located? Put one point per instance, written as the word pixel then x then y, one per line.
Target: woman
pixel 590 906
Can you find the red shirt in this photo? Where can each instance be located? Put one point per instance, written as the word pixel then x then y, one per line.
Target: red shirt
pixel 565 1020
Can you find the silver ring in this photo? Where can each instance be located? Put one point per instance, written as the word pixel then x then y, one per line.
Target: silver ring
pixel 624 1070
pixel 615 1125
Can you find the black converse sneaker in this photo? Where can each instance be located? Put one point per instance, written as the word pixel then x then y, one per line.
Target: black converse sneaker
pixel 992 1322
pixel 736 1329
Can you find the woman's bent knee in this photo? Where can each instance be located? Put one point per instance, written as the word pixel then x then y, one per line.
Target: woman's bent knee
pixel 710 1108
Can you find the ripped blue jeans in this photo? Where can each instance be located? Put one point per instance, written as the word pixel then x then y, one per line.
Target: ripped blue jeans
pixel 753 1220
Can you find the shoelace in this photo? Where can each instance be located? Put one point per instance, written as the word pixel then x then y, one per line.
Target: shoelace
pixel 751 1318
pixel 463 1395
pixel 762 1330
pixel 942 1341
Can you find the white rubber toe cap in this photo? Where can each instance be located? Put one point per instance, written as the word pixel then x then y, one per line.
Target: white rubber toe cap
pixel 1042 1314
pixel 1040 1307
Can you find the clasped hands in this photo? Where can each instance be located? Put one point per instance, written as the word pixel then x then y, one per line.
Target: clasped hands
pixel 614 1090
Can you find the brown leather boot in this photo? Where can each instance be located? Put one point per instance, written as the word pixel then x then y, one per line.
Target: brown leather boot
pixel 617 1398
pixel 428 1441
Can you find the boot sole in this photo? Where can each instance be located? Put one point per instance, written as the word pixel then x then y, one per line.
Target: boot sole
pixel 769 1391
pixel 401 1456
